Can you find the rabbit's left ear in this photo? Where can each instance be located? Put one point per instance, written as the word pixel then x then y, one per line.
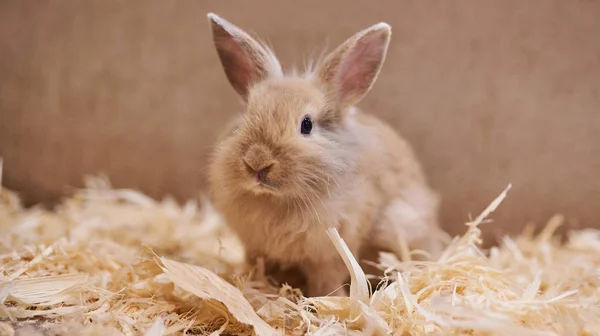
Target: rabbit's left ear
pixel 350 70
pixel 245 61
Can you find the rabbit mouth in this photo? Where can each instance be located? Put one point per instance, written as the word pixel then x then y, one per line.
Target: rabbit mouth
pixel 261 184
pixel 263 188
pixel 266 184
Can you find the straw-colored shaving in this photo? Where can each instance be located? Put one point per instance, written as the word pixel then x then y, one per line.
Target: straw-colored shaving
pixel 113 262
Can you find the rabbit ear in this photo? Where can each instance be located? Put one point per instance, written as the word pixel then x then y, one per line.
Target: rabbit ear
pixel 245 61
pixel 350 70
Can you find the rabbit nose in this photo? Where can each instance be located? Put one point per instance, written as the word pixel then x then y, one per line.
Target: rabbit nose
pixel 258 161
pixel 261 174
pixel 260 170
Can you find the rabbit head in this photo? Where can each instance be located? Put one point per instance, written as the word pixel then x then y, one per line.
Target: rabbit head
pixel 294 138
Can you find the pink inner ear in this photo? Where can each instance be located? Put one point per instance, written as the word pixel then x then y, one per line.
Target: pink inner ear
pixel 360 65
pixel 238 64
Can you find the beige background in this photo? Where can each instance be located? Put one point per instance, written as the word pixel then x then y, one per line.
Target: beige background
pixel 488 92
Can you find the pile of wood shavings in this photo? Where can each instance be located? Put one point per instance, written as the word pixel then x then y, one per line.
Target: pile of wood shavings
pixel 114 262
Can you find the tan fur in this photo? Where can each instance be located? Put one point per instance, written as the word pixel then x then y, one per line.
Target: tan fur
pixel 353 171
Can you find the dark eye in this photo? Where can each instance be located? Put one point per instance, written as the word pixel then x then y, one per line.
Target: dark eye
pixel 306 126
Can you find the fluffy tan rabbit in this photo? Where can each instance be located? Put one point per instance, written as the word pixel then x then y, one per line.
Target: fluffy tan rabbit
pixel 302 158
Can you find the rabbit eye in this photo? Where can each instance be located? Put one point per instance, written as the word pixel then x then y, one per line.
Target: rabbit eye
pixel 306 126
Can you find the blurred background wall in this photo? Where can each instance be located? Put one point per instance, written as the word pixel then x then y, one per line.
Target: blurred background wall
pixel 488 92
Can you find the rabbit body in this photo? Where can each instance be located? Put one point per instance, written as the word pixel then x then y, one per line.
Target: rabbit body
pixel 302 158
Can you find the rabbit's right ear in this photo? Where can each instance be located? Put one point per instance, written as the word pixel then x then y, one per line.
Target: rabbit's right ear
pixel 245 61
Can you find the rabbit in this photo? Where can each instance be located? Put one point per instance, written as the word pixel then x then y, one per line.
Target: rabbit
pixel 302 158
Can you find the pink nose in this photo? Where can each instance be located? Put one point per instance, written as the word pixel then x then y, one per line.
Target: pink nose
pixel 258 161
pixel 260 171
pixel 261 174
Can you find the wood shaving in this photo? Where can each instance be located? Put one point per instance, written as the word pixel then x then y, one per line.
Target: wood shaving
pixel 116 262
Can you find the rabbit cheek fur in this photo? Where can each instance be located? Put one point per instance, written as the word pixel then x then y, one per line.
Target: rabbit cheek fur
pixel 279 188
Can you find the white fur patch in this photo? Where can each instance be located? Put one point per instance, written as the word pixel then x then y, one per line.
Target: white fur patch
pixel 413 211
